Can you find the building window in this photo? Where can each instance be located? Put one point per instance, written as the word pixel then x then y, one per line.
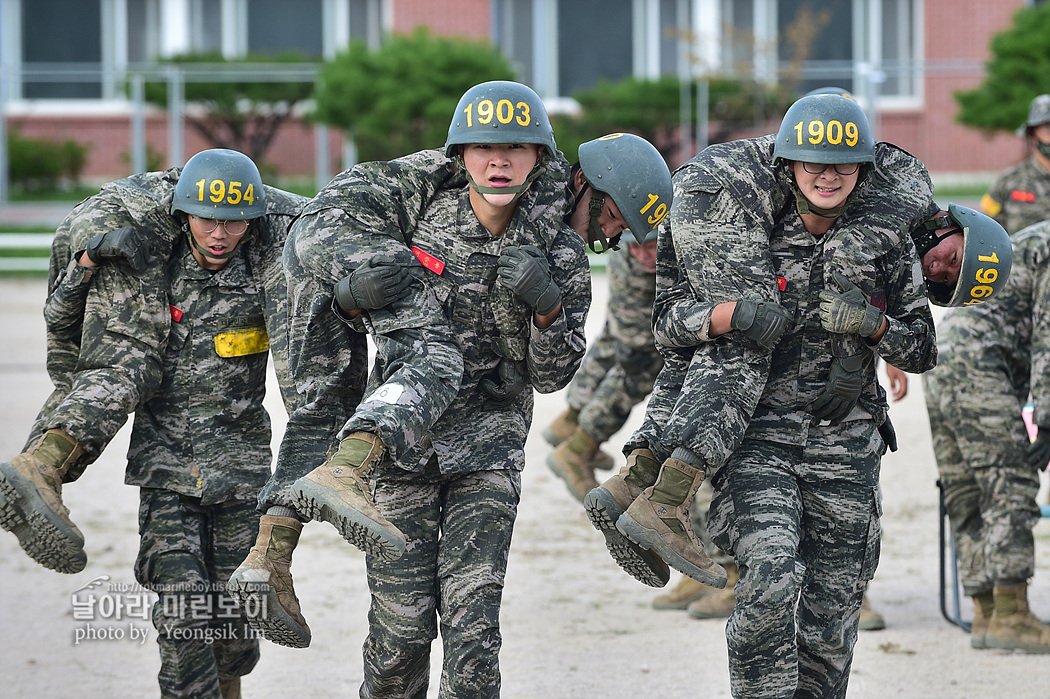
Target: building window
pixel 76 41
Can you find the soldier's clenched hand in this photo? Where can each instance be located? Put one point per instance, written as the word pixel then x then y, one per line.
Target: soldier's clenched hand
pixel 762 321
pixel 371 286
pixel 525 271
pixel 125 245
pixel 849 311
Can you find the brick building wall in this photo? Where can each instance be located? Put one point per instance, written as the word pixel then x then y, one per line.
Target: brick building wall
pixel 470 19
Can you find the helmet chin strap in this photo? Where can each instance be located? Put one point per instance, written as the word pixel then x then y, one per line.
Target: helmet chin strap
pixel 596 239
pixel 205 251
pixel 517 190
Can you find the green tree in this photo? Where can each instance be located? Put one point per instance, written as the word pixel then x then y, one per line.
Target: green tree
pixel 650 109
pixel 399 98
pixel 1018 71
pixel 243 115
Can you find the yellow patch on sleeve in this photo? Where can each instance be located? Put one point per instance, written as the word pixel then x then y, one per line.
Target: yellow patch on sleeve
pixel 990 206
pixel 241 342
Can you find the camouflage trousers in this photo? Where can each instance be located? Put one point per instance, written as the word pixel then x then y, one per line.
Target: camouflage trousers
pixel 979 439
pixel 186 554
pixel 605 392
pixel 102 373
pixel 698 519
pixel 802 523
pixel 459 530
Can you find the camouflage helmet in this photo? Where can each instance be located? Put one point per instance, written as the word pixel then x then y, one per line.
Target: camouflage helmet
pixel 220 184
pixel 987 256
pixel 500 111
pixel 826 128
pixel 831 90
pixel 1038 113
pixel 630 170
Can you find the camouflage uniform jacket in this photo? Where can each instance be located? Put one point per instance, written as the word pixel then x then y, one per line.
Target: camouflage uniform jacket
pixel 720 252
pixel 206 433
pixel 632 291
pixel 1009 335
pixel 402 212
pixel 1019 196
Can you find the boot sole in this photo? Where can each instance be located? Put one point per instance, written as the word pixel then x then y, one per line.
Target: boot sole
pixel 991 642
pixel 318 503
pixel 650 540
pixel 644 566
pixel 264 611
pixel 41 532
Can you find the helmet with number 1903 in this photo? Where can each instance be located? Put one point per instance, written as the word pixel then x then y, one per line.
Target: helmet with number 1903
pixel 220 184
pixel 630 170
pixel 825 128
pixel 500 111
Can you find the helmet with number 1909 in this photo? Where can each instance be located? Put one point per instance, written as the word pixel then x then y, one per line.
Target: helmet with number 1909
pixel 500 111
pixel 220 184
pixel 825 128
pixel 630 170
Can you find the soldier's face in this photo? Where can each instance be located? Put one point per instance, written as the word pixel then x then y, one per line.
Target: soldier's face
pixel 827 189
pixel 500 165
pixel 611 221
pixel 943 261
pixel 645 254
pixel 218 240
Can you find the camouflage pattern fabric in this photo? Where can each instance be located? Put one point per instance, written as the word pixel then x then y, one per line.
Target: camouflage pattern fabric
pixel 699 520
pixel 994 355
pixel 205 432
pixel 458 528
pixel 802 523
pixel 619 368
pixel 1019 196
pixel 187 553
pixel 106 335
pixel 714 248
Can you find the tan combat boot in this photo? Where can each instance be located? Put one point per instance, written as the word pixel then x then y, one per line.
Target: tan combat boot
pixel 870 620
pixel 720 603
pixel 262 584
pixel 31 503
pixel 658 520
pixel 231 688
pixel 562 429
pixel 983 606
pixel 607 502
pixel 683 594
pixel 573 462
pixel 338 492
pixel 1013 626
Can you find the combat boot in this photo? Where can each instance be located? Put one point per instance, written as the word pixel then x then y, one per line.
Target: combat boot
pixel 262 584
pixel 1013 626
pixel 31 503
pixel 683 594
pixel 983 606
pixel 607 502
pixel 562 429
pixel 573 462
pixel 870 620
pixel 338 492
pixel 231 688
pixel 658 520
pixel 720 603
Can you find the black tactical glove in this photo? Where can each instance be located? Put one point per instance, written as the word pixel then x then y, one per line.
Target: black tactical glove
pixel 123 245
pixel 508 382
pixel 761 321
pixel 1038 454
pixel 371 286
pixel 849 312
pixel 840 396
pixel 524 270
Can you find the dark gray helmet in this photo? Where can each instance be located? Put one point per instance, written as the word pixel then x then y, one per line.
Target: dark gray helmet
pixel 1038 113
pixel 987 256
pixel 500 111
pixel 831 90
pixel 220 184
pixel 630 170
pixel 829 129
